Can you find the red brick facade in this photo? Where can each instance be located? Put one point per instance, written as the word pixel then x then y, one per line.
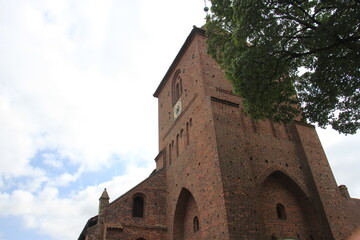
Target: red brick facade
pixel 220 175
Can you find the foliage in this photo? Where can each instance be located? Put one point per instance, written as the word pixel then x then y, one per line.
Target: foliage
pixel 282 53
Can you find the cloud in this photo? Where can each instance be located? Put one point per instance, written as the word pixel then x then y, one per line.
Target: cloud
pixel 60 99
pixel 50 159
pixel 54 216
pixel 75 78
pixel 70 103
pixel 343 155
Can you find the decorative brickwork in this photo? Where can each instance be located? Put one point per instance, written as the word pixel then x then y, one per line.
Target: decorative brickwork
pixel 221 175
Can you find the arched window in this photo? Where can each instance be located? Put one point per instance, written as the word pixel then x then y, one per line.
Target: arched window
pixel 176 86
pixel 280 210
pixel 196 224
pixel 138 207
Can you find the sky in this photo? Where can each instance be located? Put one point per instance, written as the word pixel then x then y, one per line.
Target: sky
pixel 77 113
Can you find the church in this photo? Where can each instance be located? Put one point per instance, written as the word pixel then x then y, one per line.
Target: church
pixel 221 175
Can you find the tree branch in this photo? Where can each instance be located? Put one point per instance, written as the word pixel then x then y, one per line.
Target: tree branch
pixel 308 25
pixel 337 43
pixel 306 13
pixel 287 15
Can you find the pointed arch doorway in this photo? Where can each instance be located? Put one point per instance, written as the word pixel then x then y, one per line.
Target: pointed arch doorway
pixel 287 211
pixel 187 221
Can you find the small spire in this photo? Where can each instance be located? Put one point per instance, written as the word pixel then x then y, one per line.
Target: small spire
pixel 103 202
pixel 104 195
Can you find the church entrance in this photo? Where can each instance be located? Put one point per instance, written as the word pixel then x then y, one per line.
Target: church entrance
pixel 187 222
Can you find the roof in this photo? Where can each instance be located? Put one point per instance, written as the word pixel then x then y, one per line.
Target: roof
pixel 104 195
pixel 188 40
pixel 91 222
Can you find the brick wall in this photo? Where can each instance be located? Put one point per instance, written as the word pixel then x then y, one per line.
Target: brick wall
pixel 118 221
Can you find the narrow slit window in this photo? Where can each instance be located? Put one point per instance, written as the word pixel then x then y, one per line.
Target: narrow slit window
pixel 177 90
pixel 280 210
pixel 177 145
pixel 196 224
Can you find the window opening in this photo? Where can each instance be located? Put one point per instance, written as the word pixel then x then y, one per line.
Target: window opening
pixel 177 91
pixel 196 224
pixel 280 210
pixel 177 145
pixel 176 86
pixel 138 207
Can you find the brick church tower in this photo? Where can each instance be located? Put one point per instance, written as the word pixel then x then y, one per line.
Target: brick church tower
pixel 220 175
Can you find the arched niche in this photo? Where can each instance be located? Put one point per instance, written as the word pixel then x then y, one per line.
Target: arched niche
pixel 287 212
pixel 187 221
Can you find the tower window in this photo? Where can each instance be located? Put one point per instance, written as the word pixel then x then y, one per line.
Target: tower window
pixel 176 86
pixel 138 207
pixel 196 224
pixel 280 210
pixel 177 89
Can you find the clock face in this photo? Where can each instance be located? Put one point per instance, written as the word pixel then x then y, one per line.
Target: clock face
pixel 177 109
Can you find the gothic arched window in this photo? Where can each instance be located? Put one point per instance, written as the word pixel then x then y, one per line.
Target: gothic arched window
pixel 138 207
pixel 280 210
pixel 176 88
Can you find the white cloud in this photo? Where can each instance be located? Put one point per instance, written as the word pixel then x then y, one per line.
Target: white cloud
pixel 68 87
pixel 58 102
pixel 51 160
pixel 76 78
pixel 343 155
pixel 15 138
pixel 55 216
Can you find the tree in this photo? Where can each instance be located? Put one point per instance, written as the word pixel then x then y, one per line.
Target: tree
pixel 282 54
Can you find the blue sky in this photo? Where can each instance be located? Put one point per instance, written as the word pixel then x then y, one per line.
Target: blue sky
pixel 76 107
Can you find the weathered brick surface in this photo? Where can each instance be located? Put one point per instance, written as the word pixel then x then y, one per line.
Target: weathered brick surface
pixel 230 172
